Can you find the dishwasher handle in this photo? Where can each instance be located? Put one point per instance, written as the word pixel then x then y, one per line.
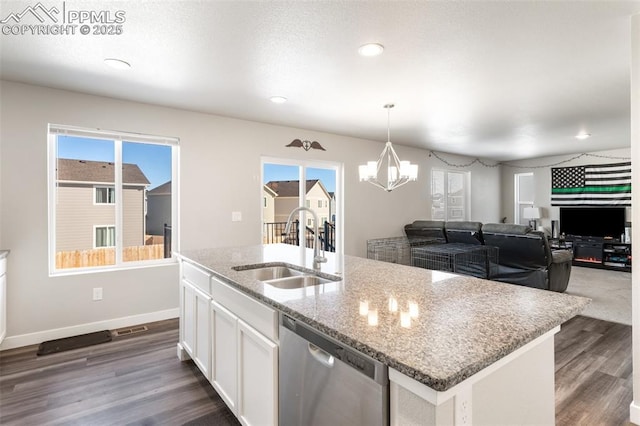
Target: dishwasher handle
pixel 321 356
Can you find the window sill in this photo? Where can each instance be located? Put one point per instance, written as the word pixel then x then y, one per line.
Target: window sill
pixel 114 268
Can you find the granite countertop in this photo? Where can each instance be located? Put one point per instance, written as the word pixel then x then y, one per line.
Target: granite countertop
pixel 462 324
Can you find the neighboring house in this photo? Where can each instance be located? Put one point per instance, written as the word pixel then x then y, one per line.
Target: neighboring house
pixel 288 193
pixel 268 204
pixel 158 209
pixel 332 207
pixel 85 213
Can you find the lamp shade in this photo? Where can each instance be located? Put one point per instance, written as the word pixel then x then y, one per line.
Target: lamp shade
pixel 531 213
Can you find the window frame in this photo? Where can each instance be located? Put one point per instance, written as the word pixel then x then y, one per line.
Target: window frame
pixel 95 235
pixel 519 205
pixel 118 138
pixel 303 165
pixel 107 187
pixel 466 196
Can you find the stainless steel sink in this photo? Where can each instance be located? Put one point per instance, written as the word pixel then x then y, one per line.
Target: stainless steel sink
pixel 273 272
pixel 300 281
pixel 285 277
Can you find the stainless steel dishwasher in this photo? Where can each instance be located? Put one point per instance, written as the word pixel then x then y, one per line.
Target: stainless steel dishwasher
pixel 324 382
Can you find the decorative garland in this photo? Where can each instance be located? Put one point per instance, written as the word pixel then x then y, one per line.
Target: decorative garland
pixel 500 163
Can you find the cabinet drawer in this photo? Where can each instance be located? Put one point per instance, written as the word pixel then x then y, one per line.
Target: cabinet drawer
pixel 259 316
pixel 196 276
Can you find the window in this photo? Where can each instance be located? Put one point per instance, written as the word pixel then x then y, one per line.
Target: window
pixel 105 236
pixel 264 202
pixel 135 175
pixel 524 195
pixel 105 195
pixel 295 184
pixel 449 195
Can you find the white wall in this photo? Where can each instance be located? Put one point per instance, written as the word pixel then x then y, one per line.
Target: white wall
pixel 542 180
pixel 220 173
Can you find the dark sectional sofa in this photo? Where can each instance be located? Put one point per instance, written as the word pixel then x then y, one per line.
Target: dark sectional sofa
pixel 524 255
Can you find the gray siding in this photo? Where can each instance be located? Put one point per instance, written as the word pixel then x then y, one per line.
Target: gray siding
pixel 158 213
pixel 133 216
pixel 76 216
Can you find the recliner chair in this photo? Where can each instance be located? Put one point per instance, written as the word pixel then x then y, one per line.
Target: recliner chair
pixel 524 257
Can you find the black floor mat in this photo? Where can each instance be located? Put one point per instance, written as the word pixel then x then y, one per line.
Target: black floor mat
pixel 75 342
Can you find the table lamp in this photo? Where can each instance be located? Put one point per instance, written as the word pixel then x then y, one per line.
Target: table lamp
pixel 533 214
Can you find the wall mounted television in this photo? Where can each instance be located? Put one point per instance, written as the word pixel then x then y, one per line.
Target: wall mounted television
pixel 592 221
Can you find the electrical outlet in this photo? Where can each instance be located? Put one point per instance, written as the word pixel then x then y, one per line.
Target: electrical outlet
pixel 97 293
pixel 463 407
pixel 236 216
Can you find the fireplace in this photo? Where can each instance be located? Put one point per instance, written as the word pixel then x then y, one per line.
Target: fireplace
pixel 587 252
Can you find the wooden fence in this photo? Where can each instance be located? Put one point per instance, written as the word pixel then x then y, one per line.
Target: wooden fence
pixel 107 256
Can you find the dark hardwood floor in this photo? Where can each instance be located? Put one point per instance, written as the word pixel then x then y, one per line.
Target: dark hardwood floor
pixel 594 384
pixel 133 380
pixel 138 380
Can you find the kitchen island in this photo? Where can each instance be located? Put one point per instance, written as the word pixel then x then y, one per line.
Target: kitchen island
pixel 460 350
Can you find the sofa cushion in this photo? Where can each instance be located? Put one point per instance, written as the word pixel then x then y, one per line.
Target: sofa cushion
pixel 426 229
pixel 428 224
pixel 505 228
pixel 463 226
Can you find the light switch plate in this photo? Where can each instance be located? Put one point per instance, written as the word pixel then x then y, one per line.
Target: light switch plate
pixel 236 216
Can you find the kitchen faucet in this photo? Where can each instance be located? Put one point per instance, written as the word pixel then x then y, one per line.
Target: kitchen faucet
pixel 317 259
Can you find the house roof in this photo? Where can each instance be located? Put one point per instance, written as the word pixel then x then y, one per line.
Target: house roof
pixel 291 188
pixel 164 189
pixel 98 171
pixel 269 191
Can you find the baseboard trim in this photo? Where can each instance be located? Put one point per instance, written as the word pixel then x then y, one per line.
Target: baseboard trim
pixel 58 333
pixel 634 413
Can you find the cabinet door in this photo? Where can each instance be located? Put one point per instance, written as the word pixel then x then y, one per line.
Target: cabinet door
pixel 257 377
pixel 224 355
pixel 3 306
pixel 202 349
pixel 187 317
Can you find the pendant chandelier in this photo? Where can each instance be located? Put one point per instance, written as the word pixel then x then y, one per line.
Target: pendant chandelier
pixel 397 172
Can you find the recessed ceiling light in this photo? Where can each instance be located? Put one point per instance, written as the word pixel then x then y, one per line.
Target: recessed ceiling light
pixel 370 49
pixel 583 135
pixel 118 64
pixel 278 99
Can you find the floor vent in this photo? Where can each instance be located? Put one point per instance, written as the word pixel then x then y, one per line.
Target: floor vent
pixel 130 330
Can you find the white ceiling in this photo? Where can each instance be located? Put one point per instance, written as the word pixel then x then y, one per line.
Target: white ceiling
pixel 500 80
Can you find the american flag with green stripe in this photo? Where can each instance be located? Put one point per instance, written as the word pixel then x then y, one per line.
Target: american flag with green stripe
pixel 595 185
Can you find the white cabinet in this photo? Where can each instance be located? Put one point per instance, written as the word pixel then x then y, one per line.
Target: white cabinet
pixel 224 360
pixel 3 298
pixel 257 377
pixel 203 333
pixel 195 324
pixel 232 338
pixel 187 319
pixel 245 355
